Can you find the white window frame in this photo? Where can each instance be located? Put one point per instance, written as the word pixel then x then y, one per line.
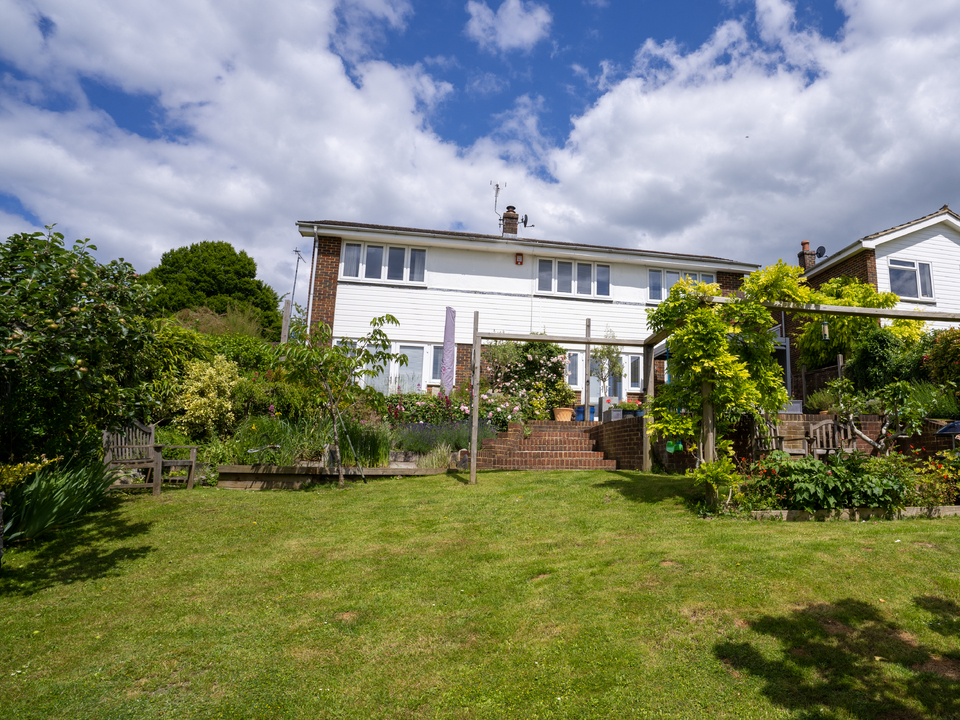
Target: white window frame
pixel 664 290
pixel 628 370
pixel 382 279
pixel 437 350
pixel 932 297
pixel 393 367
pixel 574 285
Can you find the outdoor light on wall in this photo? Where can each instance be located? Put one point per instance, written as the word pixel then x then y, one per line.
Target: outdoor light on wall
pixel 826 330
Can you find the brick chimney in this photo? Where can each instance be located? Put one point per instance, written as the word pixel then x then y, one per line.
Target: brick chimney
pixel 807 257
pixel 510 219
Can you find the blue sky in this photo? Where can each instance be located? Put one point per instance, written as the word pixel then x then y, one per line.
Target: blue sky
pixel 729 127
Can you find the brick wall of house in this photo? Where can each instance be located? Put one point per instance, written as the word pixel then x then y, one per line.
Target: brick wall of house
pixel 862 266
pixel 326 271
pixel 729 282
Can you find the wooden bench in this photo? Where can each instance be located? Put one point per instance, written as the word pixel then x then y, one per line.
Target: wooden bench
pixel 830 436
pixel 134 448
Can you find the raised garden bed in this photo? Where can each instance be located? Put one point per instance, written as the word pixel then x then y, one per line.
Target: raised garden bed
pixel 856 515
pixel 294 477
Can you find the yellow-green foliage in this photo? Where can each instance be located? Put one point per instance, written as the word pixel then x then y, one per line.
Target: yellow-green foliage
pixel 909 331
pixel 728 347
pixel 13 475
pixel 845 331
pixel 204 399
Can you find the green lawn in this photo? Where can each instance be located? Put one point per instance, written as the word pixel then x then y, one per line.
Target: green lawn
pixel 529 595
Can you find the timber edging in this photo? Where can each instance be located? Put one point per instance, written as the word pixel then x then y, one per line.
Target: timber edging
pixel 295 477
pixel 857 514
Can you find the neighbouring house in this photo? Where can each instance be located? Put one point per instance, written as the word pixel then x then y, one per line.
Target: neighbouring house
pixel 918 260
pixel 518 285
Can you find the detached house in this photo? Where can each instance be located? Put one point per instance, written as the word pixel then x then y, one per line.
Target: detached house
pixel 919 261
pixel 518 285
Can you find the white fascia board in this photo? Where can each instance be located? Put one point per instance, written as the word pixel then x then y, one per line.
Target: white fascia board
pixel 514 243
pixel 945 218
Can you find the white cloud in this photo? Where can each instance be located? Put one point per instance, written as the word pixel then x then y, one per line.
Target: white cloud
pixel 846 136
pixel 487 84
pixel 516 25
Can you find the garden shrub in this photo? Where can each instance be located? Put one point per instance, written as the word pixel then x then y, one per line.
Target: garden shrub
pixel 532 374
pixel 249 353
pixel 57 494
pixel 406 408
pixel 881 357
pixel 263 393
pixel 70 348
pixel 846 480
pixel 204 398
pixel 943 359
pixel 937 482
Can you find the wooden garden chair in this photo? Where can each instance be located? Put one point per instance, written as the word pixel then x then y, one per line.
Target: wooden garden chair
pixel 830 436
pixel 134 447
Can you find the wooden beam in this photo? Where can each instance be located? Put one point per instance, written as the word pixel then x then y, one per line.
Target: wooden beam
pixel 562 339
pixel 850 311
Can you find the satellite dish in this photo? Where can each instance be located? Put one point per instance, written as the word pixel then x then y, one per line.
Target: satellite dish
pixel 524 220
pixel 821 251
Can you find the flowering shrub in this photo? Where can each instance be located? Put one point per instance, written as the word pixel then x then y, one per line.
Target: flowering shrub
pixel 938 481
pixel 406 408
pixel 204 398
pixel 534 373
pixel 500 410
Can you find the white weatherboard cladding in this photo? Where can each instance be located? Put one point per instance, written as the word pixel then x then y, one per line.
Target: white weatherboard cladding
pixel 938 245
pixel 502 291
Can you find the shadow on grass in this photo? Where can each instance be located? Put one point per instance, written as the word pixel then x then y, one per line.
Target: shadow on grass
pixel 74 552
pixel 641 488
pixel 846 659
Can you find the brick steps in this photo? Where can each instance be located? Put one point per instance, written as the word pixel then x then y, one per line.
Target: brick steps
pixel 550 446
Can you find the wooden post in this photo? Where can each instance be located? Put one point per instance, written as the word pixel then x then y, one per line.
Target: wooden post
pixel 157 468
pixel 708 435
pixel 475 411
pixel 840 366
pixel 586 376
pixel 649 375
pixel 803 385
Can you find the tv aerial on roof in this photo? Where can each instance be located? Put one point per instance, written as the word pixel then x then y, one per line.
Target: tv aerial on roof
pixel 821 251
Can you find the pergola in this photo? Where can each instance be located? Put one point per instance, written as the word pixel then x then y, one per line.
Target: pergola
pixel 649 344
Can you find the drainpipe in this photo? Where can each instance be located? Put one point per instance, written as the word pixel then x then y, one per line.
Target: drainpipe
pixel 313 265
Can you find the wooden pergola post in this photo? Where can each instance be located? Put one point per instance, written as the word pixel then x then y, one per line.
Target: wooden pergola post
pixel 587 367
pixel 708 435
pixel 475 411
pixel 650 376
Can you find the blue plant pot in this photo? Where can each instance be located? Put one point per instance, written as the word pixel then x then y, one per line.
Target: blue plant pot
pixel 593 413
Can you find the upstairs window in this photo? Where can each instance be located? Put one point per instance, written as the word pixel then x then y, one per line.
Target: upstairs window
pixel 384 263
pixel 565 277
pixel 660 281
pixel 910 279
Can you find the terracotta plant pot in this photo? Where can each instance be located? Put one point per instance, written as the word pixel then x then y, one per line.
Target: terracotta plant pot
pixel 563 414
